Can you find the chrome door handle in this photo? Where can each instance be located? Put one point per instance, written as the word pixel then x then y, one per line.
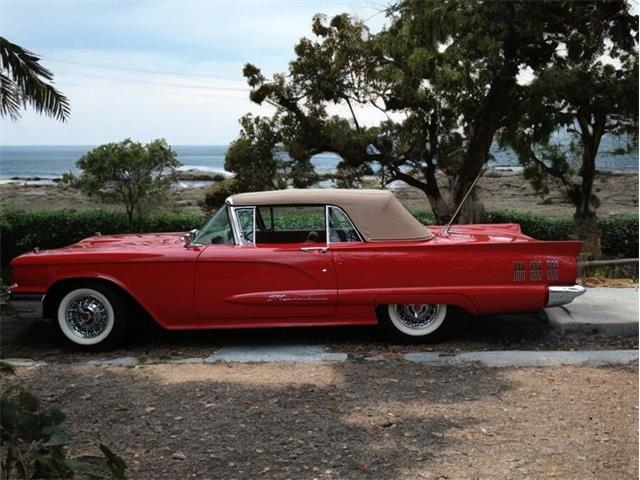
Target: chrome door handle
pixel 315 249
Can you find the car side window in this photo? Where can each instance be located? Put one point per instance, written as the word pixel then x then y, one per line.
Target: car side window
pixel 340 227
pixel 216 230
pixel 246 223
pixel 291 224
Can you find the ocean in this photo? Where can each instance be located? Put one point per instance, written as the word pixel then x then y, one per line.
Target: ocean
pixel 47 162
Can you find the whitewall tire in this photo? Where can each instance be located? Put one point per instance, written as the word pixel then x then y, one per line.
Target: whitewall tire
pixel 413 321
pixel 90 316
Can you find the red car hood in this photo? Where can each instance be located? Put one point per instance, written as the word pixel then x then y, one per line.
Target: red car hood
pixel 118 247
pixel 129 240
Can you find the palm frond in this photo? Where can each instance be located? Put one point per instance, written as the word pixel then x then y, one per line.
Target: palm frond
pixel 10 101
pixel 25 82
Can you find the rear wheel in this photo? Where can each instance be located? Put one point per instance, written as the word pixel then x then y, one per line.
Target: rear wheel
pixel 412 321
pixel 91 316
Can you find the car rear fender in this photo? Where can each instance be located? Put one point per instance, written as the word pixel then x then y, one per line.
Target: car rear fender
pixel 453 299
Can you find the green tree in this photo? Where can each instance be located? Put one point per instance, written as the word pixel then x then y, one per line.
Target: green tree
pixel 253 156
pixel 589 90
pixel 259 162
pixel 24 82
pixel 449 67
pixel 302 99
pixel 136 175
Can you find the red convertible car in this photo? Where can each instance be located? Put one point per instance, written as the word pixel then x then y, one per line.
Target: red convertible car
pixel 295 258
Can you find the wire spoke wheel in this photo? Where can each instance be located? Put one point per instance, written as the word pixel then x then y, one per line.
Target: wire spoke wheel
pixel 417 319
pixel 86 316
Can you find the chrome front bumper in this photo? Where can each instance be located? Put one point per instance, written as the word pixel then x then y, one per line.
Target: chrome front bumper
pixel 563 295
pixel 26 305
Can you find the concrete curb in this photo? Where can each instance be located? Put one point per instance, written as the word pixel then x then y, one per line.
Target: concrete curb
pixel 605 311
pixel 525 358
pixel 312 354
pixel 275 354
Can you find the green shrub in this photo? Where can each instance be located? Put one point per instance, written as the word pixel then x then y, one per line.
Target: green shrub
pixel 23 231
pixel 620 235
pixel 619 232
pixel 425 216
pixel 536 226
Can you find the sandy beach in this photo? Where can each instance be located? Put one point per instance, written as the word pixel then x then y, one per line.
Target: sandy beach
pixel 499 190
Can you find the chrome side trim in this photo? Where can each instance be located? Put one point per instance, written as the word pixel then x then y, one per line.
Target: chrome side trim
pixel 315 249
pixel 535 270
pixel 553 269
pixel 519 273
pixel 27 305
pixel 563 295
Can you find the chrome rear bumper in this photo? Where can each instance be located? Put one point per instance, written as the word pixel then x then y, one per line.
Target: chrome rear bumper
pixel 26 305
pixel 563 295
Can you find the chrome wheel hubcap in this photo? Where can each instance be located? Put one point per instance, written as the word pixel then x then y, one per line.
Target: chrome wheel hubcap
pixel 417 315
pixel 87 316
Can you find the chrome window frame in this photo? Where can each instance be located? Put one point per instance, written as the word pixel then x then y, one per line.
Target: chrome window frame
pixel 327 207
pixel 237 230
pixel 236 224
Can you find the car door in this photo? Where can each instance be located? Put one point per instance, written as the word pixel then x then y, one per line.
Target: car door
pixel 277 276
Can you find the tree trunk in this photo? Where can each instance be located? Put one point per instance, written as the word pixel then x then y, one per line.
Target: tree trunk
pixel 439 206
pixel 473 209
pixel 586 220
pixel 441 209
pixel 587 230
pixel 497 104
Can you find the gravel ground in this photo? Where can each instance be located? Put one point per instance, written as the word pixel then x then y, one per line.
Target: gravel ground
pixel 353 420
pixel 37 339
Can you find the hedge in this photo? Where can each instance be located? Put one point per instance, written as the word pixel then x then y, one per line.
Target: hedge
pixel 619 232
pixel 23 231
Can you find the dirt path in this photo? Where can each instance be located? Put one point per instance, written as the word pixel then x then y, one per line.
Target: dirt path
pixel 350 421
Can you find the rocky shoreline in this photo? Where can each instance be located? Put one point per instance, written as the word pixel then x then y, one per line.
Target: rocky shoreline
pixel 499 190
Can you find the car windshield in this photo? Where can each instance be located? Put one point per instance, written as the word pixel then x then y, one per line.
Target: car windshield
pixel 216 230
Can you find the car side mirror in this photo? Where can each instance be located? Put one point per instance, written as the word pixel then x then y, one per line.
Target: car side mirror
pixel 189 237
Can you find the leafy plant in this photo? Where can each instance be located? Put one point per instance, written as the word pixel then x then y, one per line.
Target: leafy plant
pixel 23 231
pixel 129 172
pixel 34 443
pixel 590 91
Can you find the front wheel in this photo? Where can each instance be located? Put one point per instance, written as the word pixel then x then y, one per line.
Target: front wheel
pixel 412 321
pixel 91 317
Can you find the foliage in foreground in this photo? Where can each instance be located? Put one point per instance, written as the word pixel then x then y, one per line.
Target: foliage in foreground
pixel 34 444
pixel 23 231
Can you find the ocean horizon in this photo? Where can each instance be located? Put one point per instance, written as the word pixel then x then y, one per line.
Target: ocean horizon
pixel 48 162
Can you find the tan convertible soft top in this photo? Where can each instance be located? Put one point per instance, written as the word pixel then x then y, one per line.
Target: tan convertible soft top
pixel 377 214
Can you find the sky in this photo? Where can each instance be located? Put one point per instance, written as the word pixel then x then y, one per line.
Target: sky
pixel 157 68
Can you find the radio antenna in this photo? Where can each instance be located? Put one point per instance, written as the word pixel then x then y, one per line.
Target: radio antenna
pixel 464 199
